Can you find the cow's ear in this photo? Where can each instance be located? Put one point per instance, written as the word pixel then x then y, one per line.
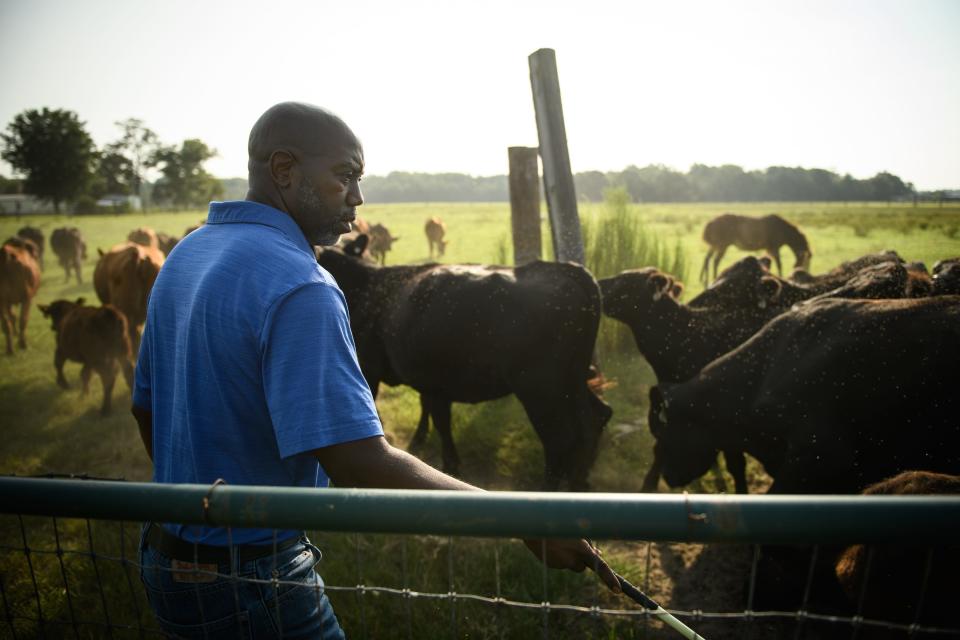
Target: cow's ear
pixel 770 289
pixel 357 246
pixel 677 289
pixel 765 262
pixel 100 251
pixel 658 411
pixel 661 284
pixel 80 301
pixel 44 309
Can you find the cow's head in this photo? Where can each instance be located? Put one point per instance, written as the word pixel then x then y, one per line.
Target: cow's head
pixel 682 446
pixel 946 277
pixel 745 284
pixel 58 310
pixel 347 264
pixel 629 294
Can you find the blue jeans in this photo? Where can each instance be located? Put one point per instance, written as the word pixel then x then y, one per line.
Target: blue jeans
pixel 198 604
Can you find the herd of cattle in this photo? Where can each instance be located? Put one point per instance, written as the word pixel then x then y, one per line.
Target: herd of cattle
pixel 832 382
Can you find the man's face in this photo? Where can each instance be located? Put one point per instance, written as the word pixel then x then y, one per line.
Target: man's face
pixel 328 192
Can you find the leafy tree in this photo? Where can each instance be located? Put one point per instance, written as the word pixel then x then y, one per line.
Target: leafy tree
pixel 54 152
pixel 184 181
pixel 9 186
pixel 115 174
pixel 137 145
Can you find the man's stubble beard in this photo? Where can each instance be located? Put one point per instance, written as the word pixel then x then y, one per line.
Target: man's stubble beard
pixel 310 202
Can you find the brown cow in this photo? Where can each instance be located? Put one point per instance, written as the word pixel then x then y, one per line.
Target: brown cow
pixel 435 230
pixel 892 581
pixel 166 242
pixel 36 235
pixel 123 277
pixel 145 236
pixel 71 250
pixel 96 337
pixel 19 280
pixel 751 234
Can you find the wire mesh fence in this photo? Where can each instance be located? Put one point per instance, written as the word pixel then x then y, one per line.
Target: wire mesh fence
pixel 63 574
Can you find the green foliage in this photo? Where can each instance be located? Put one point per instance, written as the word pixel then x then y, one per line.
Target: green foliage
pixel 114 175
pixel 616 240
pixel 52 148
pixel 185 183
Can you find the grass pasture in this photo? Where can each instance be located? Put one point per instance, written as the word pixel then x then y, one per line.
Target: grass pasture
pixel 47 430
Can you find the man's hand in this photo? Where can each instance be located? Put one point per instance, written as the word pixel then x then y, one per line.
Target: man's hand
pixel 575 555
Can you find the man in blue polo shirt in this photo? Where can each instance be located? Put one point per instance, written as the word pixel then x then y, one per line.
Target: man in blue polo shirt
pixel 248 373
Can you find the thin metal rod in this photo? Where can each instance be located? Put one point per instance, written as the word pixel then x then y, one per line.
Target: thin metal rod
pixel 66 583
pixel 96 573
pixel 545 600
pixel 6 609
pixel 33 575
pixel 647 603
pixel 927 567
pixel 802 614
pixel 125 566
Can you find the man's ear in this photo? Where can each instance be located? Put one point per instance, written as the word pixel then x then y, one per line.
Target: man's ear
pixel 281 168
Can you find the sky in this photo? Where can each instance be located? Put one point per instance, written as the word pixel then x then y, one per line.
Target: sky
pixel 853 86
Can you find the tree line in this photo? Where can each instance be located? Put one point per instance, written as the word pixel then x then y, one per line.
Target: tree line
pixel 60 163
pixel 654 183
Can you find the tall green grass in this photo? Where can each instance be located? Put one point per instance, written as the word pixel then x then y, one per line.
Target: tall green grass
pixel 615 239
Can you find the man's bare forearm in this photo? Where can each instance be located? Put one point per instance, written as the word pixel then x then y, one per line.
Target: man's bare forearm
pixel 374 463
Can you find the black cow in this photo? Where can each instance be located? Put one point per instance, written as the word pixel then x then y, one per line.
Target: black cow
pixel 749 284
pixel 678 340
pixel 469 333
pixel 946 277
pixel 829 397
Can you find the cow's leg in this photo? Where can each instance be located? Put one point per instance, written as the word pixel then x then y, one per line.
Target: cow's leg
pixel 108 376
pixel 440 410
pixel 651 481
pixel 737 466
pixel 705 271
pixel 552 429
pixel 24 317
pixel 718 256
pixel 85 374
pixel 77 267
pixel 58 360
pixel 6 317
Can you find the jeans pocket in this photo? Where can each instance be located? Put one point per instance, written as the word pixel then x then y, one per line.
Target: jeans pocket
pixel 233 626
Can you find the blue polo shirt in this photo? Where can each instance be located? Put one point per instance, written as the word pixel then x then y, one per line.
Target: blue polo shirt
pixel 247 361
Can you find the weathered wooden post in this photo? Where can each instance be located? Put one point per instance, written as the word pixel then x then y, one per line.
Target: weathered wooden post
pixel 557 176
pixel 525 204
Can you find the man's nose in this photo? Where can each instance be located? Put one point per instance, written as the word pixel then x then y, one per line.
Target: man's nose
pixel 354 195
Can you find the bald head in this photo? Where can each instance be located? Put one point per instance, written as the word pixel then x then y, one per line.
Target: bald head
pixel 293 126
pixel 306 162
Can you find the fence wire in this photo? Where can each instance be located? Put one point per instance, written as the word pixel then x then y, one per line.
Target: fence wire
pixel 70 577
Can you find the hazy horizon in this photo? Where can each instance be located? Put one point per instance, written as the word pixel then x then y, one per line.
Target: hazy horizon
pixel 853 86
